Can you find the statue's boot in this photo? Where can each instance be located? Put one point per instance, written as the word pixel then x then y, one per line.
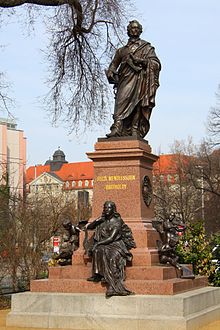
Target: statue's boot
pixel 115 129
pixel 112 134
pixel 111 292
pixel 95 278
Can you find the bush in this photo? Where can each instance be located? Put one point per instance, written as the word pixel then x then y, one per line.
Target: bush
pixel 195 248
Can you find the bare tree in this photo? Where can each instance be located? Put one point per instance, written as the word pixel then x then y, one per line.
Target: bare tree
pixel 174 193
pixel 26 234
pixel 204 169
pixel 213 124
pixel 204 173
pixel 5 100
pixel 81 34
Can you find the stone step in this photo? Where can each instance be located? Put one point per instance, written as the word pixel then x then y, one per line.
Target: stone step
pixel 150 273
pixel 151 287
pixel 186 311
pixel 145 259
pixel 165 287
pixel 134 272
pixel 141 257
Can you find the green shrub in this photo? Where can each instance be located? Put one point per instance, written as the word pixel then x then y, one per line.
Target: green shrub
pixel 195 248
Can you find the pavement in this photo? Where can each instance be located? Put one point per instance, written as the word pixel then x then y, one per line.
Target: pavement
pixel 3 314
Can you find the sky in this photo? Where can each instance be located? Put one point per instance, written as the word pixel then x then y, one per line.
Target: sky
pixel 185 35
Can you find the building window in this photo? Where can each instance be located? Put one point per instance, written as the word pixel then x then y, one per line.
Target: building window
pixel 92 182
pixel 86 183
pixel 73 183
pixel 80 183
pixel 83 199
pixel 67 184
pixel 33 189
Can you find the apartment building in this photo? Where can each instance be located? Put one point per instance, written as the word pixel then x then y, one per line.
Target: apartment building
pixel 12 156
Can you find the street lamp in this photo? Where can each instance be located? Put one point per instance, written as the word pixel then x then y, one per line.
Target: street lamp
pixel 202 191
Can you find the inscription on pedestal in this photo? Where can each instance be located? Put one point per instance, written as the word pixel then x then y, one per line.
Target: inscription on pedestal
pixel 115 178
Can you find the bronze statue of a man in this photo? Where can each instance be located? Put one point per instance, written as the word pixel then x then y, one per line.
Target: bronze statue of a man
pixel 134 71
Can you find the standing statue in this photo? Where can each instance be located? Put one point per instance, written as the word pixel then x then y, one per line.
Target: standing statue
pixel 112 242
pixel 134 72
pixel 170 230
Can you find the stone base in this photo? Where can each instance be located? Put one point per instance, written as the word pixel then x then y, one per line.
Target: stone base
pixel 141 285
pixel 159 279
pixel 163 287
pixel 187 311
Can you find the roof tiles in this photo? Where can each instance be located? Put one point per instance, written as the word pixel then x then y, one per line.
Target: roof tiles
pixel 69 171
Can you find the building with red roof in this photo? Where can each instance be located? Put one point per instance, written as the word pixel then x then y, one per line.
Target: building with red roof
pixel 169 167
pixel 59 175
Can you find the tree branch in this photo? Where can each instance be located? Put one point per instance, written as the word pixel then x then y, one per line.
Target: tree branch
pixel 16 3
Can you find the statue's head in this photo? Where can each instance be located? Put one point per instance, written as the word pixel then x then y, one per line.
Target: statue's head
pixel 109 208
pixel 134 29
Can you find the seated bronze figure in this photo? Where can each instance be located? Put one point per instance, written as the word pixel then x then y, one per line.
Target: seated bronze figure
pixel 110 251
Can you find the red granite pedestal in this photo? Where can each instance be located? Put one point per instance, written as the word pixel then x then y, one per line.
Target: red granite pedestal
pixel 120 165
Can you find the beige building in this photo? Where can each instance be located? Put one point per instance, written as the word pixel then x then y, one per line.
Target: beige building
pixel 12 155
pixel 56 176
